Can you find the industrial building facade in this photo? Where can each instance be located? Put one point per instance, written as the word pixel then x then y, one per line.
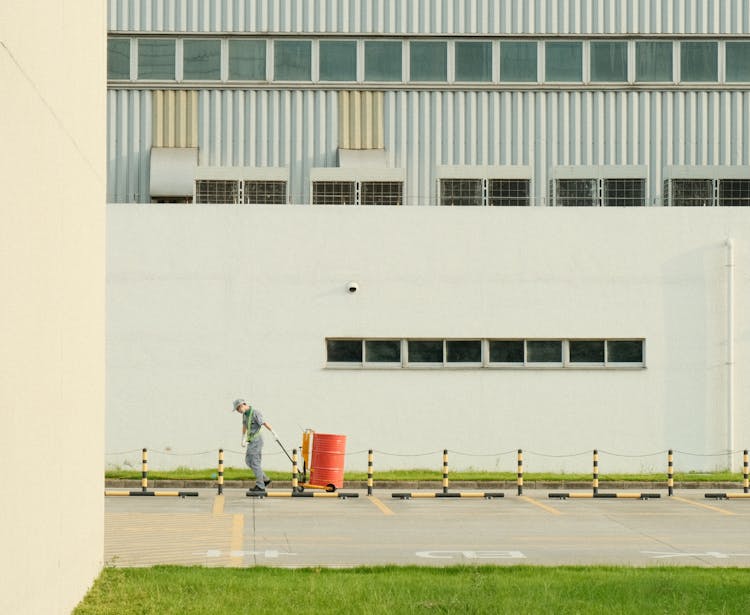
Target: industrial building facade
pixel 471 121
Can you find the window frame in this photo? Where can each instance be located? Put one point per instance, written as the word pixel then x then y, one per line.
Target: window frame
pixel 565 362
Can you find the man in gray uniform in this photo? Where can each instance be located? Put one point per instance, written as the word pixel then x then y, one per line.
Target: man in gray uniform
pixel 252 421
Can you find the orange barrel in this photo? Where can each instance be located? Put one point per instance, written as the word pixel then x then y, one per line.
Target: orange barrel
pixel 327 465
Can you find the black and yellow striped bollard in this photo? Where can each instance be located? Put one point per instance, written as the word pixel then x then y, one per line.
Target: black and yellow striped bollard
pixel 445 470
pixel 520 472
pixel 144 470
pixel 670 472
pixel 220 472
pixel 369 472
pixel 595 480
pixel 745 475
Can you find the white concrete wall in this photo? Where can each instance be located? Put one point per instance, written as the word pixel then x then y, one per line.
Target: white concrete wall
pixel 207 303
pixel 52 118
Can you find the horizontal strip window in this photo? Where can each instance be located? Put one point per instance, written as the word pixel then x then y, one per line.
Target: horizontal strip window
pixel 233 191
pixel 486 353
pixel 419 60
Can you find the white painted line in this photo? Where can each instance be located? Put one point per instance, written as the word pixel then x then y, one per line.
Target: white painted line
pixel 714 554
pixel 471 554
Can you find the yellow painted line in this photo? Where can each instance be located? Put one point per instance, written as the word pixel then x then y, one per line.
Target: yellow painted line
pixel 238 524
pixel 379 503
pixel 218 508
pixel 702 505
pixel 541 505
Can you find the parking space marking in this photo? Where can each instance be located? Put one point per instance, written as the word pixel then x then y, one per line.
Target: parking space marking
pixel 379 503
pixel 218 507
pixel 238 524
pixel 541 505
pixel 702 505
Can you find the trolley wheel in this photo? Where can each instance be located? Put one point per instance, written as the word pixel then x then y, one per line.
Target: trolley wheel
pixel 299 489
pixel 330 488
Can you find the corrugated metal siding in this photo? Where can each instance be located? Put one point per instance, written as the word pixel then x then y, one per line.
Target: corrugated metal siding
pixel 300 130
pixel 175 118
pixel 434 16
pixel 361 120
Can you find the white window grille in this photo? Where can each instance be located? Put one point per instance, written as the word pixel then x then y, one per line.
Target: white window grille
pixel 599 192
pixel 217 191
pixel 357 193
pixel 234 191
pixel 483 192
pixel 707 192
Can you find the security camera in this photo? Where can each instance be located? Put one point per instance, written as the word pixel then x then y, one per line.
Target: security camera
pixel 352 287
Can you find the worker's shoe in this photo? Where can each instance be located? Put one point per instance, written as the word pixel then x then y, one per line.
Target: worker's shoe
pixel 267 482
pixel 256 489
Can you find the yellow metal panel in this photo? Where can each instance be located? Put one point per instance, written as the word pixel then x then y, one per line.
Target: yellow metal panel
pixel 360 120
pixel 175 118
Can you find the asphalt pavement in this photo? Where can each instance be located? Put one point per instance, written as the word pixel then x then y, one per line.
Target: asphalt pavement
pixel 533 529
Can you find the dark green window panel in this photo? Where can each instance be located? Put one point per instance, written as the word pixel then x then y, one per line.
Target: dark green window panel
pixel 473 61
pixel 429 61
pixel 201 59
pixel 383 351
pixel 156 59
pixel 699 61
pixel 344 351
pixel 653 61
pixel 586 351
pixel 609 61
pixel 625 351
pixel 118 58
pixel 544 351
pixel 247 60
pixel 506 351
pixel 518 61
pixel 383 61
pixel 564 61
pixel 338 60
pixel 738 61
pixel 425 351
pixel 292 60
pixel 464 351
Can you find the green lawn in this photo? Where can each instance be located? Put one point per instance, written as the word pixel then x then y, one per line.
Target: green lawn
pixel 515 589
pixel 422 474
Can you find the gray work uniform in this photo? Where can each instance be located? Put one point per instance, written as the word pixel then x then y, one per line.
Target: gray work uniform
pixel 254 444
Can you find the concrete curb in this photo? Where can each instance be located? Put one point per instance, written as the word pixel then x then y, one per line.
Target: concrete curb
pixel 431 485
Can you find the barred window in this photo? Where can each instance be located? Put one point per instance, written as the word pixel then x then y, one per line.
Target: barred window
pixel 691 192
pixel 381 193
pixel 217 191
pixel 508 192
pixel 734 192
pixel 624 192
pixel 576 192
pixel 333 193
pixel 460 192
pixel 264 192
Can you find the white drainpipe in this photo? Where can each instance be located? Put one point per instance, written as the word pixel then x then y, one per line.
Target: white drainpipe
pixel 730 353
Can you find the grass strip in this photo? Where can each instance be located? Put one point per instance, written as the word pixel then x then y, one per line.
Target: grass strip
pixel 422 475
pixel 390 589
